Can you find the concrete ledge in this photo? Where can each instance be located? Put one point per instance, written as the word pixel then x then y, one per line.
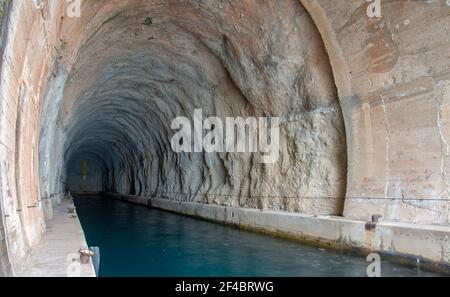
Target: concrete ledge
pixel 57 253
pixel 423 245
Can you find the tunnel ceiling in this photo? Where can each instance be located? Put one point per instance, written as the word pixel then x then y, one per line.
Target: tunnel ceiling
pixel 99 90
pixel 139 64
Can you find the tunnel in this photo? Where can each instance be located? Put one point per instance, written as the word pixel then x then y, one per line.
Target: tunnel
pixel 91 89
pixel 132 78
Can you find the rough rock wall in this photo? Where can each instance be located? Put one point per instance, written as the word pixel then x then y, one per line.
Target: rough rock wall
pixel 105 86
pixel 249 58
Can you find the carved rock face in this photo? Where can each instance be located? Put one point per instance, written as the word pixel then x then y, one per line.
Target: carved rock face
pixel 147 62
pixel 88 96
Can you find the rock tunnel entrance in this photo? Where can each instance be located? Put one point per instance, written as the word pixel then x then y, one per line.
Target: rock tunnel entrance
pixel 89 95
pixel 141 68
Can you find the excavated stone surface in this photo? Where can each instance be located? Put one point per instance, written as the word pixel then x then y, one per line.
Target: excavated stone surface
pixel 363 104
pixel 250 58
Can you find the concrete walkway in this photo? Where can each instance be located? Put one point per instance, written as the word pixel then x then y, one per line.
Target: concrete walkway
pixel 57 253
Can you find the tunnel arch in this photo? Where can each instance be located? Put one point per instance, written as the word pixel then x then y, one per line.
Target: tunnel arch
pixel 236 65
pixel 226 73
pixel 335 53
pixel 62 64
pixel 342 78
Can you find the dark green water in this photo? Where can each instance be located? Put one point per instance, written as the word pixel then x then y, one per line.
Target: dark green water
pixel 137 241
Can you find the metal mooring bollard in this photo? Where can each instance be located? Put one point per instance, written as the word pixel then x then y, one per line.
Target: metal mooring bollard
pixel 85 255
pixel 373 224
pixel 376 218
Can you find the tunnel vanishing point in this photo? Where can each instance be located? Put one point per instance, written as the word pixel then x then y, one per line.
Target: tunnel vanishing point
pixel 88 95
